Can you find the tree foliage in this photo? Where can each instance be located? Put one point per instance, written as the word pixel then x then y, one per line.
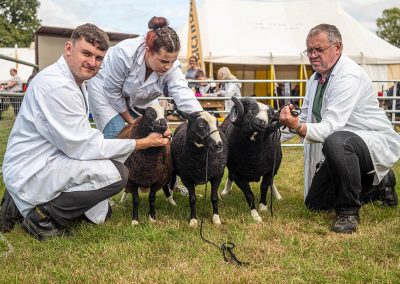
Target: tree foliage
pixel 389 26
pixel 18 22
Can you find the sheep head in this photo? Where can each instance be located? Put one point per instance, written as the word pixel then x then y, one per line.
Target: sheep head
pixel 251 115
pixel 204 127
pixel 154 118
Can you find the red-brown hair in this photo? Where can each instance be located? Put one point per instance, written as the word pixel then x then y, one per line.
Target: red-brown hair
pixel 161 35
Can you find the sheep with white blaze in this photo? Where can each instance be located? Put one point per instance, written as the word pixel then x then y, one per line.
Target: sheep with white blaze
pixel 252 149
pixel 193 141
pixel 151 167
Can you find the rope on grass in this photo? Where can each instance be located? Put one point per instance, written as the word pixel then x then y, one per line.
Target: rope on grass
pixel 8 244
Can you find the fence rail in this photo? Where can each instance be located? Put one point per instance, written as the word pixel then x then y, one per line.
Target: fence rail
pixel 10 103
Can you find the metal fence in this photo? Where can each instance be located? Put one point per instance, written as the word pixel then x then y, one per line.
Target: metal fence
pixel 11 102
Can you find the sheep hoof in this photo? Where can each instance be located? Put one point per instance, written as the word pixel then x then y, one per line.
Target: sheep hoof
pixel 135 222
pixel 124 197
pixel 216 220
pixel 225 192
pixel 151 220
pixel 256 216
pixel 262 207
pixel 184 191
pixel 275 193
pixel 193 223
pixel 171 200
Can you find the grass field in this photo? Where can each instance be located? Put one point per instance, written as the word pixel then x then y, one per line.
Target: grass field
pixel 295 245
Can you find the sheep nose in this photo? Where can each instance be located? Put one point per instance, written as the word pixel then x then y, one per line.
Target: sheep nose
pixel 219 146
pixel 161 125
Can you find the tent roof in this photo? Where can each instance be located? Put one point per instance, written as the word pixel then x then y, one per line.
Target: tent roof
pixel 263 33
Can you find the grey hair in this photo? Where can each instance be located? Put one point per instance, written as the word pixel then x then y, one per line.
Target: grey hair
pixel 331 30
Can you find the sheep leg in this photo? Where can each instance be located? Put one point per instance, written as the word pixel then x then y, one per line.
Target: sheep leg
pixel 214 200
pixel 168 195
pixel 248 194
pixel 192 202
pixel 135 205
pixel 266 181
pixel 152 199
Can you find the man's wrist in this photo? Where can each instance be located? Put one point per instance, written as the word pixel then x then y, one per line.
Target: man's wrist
pixel 298 128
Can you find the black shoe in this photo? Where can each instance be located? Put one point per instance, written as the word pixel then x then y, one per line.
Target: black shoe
pixel 39 224
pixel 388 194
pixel 9 213
pixel 346 224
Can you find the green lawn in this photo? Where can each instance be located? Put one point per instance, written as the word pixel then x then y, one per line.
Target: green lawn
pixel 295 245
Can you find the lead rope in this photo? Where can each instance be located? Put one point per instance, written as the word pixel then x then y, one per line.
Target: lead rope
pixel 277 132
pixel 227 247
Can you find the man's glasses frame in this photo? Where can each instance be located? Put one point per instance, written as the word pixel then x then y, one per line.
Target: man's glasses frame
pixel 317 51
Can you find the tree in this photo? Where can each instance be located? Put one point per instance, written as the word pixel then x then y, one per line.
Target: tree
pixel 18 22
pixel 389 26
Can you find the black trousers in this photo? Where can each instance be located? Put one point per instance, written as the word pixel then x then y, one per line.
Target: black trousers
pixel 342 179
pixel 69 206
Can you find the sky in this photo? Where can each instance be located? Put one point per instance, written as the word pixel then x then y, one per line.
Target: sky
pixel 132 16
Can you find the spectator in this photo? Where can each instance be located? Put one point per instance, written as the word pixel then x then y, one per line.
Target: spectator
pixel 204 88
pixel 135 72
pixel 14 85
pixel 389 103
pixel 230 89
pixel 191 71
pixel 295 92
pixel 344 130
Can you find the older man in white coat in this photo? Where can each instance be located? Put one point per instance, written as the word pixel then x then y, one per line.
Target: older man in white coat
pixel 56 167
pixel 347 136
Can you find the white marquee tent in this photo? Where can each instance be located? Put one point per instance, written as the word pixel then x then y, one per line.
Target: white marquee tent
pixel 264 33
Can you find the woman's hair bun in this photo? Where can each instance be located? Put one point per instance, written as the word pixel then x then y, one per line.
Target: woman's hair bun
pixel 157 22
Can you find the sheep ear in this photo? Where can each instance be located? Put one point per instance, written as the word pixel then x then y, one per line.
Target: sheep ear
pixel 237 112
pixel 168 112
pixel 183 114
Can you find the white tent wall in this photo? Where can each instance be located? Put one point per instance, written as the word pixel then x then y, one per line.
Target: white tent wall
pixel 240 33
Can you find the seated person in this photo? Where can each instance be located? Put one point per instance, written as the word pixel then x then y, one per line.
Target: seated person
pixel 206 89
pixel 389 102
pixel 191 71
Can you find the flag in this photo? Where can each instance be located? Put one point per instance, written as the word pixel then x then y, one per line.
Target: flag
pixel 194 44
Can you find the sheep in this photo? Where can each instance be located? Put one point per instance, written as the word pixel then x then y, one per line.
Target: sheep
pixel 252 147
pixel 151 167
pixel 190 144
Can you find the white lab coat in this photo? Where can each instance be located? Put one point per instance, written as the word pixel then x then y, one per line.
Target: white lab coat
pixel 231 89
pixel 349 104
pixel 120 83
pixel 52 148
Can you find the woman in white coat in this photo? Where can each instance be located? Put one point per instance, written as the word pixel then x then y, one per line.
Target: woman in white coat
pixel 230 89
pixel 134 74
pixel 56 166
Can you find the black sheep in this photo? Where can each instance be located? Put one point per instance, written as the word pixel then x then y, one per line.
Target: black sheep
pixel 151 167
pixel 190 143
pixel 252 147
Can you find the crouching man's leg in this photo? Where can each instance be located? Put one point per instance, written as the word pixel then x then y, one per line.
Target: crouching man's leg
pixel 52 218
pixel 349 163
pixel 9 213
pixel 340 180
pixel 385 191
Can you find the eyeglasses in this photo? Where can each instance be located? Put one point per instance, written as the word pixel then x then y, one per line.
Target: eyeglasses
pixel 316 51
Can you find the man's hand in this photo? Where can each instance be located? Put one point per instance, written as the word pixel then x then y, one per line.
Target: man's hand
pixel 287 119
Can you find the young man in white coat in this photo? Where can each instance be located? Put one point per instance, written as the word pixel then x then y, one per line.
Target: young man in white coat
pixel 350 144
pixel 57 167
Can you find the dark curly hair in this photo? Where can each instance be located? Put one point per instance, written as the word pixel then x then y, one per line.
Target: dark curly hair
pixel 92 34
